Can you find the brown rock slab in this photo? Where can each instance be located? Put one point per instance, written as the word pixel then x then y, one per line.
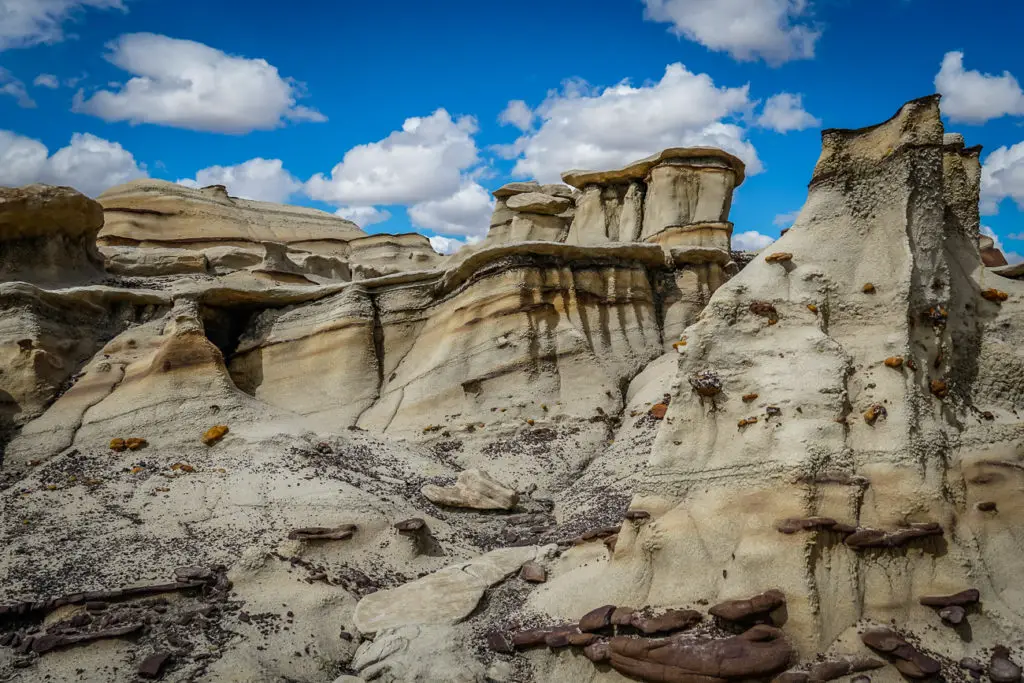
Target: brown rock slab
pixel 962 599
pixel 669 620
pixel 658 411
pixel 597 652
pixel 529 637
pixel 910 661
pixel 831 670
pixel 761 652
pixel 498 641
pixel 474 489
pixel 152 667
pixel 319 533
pixel 597 619
pixel 1001 669
pixel 749 608
pixel 532 572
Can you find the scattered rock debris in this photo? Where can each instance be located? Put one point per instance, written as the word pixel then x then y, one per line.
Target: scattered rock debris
pixel 214 434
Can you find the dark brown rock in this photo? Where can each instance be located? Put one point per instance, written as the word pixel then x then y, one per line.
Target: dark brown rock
pixel 961 599
pixel 582 639
pixel 760 652
pixel 670 620
pixel 910 661
pixel 622 616
pixel 597 652
pixel 953 615
pixel 152 667
pixel 792 677
pixel 529 638
pixel 658 411
pixel 831 670
pixel 500 642
pixel 972 664
pixel 795 524
pixel 410 527
pixel 749 608
pixel 1001 669
pixel 533 573
pixel 986 506
pixel 559 636
pixel 318 533
pixel 878 538
pixel 636 515
pixel 597 619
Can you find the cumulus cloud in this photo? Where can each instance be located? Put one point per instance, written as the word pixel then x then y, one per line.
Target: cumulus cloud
pixel 785 112
pixel 448 245
pixel 422 162
pixel 585 127
pixel 363 215
pixel 24 23
pixel 89 164
pixel 1002 177
pixel 465 212
pixel 784 220
pixel 262 179
pixel 750 240
pixel 9 85
pixel 185 84
pixel 46 81
pixel 776 31
pixel 974 97
pixel 518 114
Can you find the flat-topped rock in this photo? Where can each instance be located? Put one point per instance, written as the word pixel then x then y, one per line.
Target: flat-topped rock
pixel 536 202
pixel 706 157
pixel 475 489
pixel 511 189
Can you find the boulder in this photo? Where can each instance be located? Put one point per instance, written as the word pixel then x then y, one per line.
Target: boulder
pixel 536 202
pixel 48 235
pixel 475 489
pixel 445 597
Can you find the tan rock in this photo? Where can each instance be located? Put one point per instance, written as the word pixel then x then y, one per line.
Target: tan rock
pixel 473 489
pixel 536 202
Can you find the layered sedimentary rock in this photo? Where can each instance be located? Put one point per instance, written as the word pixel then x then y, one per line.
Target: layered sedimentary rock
pixel 529 211
pixel 49 235
pixel 828 429
pixel 804 469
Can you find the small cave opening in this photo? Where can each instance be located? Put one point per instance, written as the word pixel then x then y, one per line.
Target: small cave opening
pixel 224 327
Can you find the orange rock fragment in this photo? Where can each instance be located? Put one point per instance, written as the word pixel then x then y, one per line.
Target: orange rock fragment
pixel 868 288
pixel 812 308
pixel 658 411
pixel 747 398
pixel 779 257
pixel 117 445
pixel 137 469
pixel 876 411
pixel 182 467
pixel 994 295
pixel 939 388
pixel 214 434
pixel 894 362
pixel 747 421
pixel 135 444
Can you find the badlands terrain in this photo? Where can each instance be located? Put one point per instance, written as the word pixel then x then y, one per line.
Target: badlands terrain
pixel 249 442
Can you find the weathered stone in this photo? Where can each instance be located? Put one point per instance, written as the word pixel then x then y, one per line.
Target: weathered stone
pixel 512 189
pixel 475 489
pixel 953 615
pixel 319 533
pixel 831 670
pixel 535 202
pixel 963 599
pixel 908 659
pixel 667 621
pixel 152 667
pixel 597 619
pixel 498 641
pixel 760 652
pixel 750 608
pixel 533 572
pixel 444 597
pixel 1001 669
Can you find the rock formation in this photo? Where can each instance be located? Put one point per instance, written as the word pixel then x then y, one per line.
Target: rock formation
pixel 588 448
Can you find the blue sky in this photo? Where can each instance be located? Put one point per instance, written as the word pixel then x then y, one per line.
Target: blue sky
pixel 404 110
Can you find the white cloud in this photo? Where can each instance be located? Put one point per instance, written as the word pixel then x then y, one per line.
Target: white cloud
pixel 1012 257
pixel 89 164
pixel 776 31
pixel 447 245
pixel 424 161
pixel 466 212
pixel 185 84
pixel 974 97
pixel 24 23
pixel 1016 236
pixel 785 112
pixel 1002 177
pixel 784 220
pixel 750 241
pixel 518 114
pixel 363 215
pixel 9 85
pixel 46 81
pixel 583 127
pixel 262 179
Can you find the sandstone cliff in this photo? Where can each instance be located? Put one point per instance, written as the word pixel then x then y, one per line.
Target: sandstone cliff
pixel 590 448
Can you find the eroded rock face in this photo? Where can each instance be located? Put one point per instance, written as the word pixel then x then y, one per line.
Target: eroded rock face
pixel 48 235
pixel 473 489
